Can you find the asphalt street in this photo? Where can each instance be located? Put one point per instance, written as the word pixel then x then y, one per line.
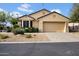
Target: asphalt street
pixel 40 49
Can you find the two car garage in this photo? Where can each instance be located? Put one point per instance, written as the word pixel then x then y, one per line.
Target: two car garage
pixel 53 26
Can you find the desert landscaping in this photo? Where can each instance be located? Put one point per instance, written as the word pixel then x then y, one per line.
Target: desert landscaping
pixel 23 38
pixel 39 37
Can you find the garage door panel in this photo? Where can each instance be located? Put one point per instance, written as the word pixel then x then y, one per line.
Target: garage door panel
pixel 53 26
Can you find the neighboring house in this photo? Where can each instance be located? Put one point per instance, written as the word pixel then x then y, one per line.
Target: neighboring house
pixel 45 21
pixel 75 25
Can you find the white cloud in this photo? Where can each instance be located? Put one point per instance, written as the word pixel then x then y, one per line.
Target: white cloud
pixel 15 14
pixel 25 8
pixel 56 10
pixel 1 9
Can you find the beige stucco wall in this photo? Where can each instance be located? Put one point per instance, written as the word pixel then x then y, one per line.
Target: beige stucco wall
pixel 66 29
pixel 53 18
pixel 39 14
pixel 35 24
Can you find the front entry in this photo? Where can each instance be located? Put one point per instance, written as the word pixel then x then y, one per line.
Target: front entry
pixel 27 23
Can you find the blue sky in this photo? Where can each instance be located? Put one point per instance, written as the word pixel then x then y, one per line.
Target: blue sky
pixel 24 8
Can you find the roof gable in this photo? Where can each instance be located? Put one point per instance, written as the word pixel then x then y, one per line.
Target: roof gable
pixel 39 11
pixel 26 18
pixel 30 15
pixel 52 13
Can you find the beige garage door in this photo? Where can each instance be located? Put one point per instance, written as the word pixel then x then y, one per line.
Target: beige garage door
pixel 53 26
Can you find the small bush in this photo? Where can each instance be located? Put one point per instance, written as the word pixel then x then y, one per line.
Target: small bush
pixel 16 26
pixel 31 29
pixel 18 31
pixel 3 36
pixel 1 27
pixel 9 29
pixel 26 29
pixel 35 30
pixel 28 36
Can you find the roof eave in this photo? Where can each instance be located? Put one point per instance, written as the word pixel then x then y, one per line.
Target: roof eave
pixel 51 13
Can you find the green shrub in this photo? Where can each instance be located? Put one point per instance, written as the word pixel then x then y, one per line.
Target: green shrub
pixel 31 29
pixel 1 27
pixel 28 36
pixel 26 29
pixel 3 36
pixel 16 26
pixel 9 29
pixel 35 30
pixel 18 31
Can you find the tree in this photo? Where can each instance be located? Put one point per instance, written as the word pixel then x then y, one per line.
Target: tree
pixel 6 17
pixel 3 17
pixel 74 17
pixel 13 21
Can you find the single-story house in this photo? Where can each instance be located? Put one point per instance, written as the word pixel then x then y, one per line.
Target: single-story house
pixel 45 21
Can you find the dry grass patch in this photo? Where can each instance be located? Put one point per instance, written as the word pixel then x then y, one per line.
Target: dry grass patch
pixel 29 36
pixel 26 37
pixel 3 36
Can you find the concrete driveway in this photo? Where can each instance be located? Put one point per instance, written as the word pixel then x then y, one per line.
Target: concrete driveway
pixel 62 37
